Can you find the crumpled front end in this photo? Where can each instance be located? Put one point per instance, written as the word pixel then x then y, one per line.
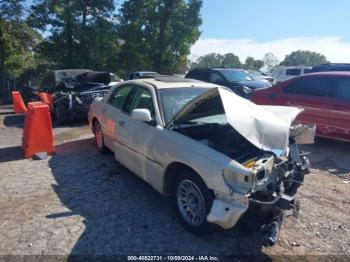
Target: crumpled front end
pixel 266 168
pixel 269 189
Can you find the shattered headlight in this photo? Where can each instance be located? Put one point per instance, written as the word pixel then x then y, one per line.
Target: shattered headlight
pixel 237 181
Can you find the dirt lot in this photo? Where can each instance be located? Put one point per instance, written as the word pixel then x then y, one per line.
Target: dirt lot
pixel 81 202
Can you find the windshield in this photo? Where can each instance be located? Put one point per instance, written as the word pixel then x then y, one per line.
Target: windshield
pixel 254 73
pixel 236 75
pixel 174 99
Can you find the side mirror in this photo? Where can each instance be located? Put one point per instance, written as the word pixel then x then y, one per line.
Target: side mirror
pixel 141 114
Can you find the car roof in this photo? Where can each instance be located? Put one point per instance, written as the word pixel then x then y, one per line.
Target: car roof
pixel 163 82
pixel 333 64
pixel 72 70
pixel 329 73
pixel 217 68
pixel 143 72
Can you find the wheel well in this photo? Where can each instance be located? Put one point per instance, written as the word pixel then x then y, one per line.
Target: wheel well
pixel 172 173
pixel 94 119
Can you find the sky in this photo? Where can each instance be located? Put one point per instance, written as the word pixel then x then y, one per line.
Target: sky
pixel 255 27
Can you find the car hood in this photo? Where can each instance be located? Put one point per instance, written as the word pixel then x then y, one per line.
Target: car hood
pixel 255 84
pixel 266 127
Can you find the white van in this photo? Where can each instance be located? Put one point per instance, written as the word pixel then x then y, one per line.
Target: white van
pixel 283 73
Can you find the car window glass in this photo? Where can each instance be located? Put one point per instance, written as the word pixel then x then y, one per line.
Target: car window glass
pixel 309 86
pixel 293 72
pixel 119 96
pixel 236 75
pixel 173 99
pixel 341 89
pixel 201 75
pixel 144 100
pixel 130 100
pixel 215 77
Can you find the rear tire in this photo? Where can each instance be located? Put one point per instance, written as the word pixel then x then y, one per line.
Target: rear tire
pixel 99 138
pixel 192 201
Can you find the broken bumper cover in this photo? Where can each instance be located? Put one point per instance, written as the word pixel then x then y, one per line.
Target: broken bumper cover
pixel 225 214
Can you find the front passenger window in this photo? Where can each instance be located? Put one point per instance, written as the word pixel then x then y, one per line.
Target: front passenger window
pixel 119 96
pixel 144 101
pixel 216 78
pixel 342 89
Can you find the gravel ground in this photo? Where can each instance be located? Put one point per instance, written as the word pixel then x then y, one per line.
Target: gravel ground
pixel 79 202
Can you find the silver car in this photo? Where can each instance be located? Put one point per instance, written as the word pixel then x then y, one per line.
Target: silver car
pixel 221 157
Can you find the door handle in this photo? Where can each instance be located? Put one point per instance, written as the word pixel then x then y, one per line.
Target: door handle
pixel 122 123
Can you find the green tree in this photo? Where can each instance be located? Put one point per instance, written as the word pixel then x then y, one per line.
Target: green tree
pixel 251 63
pixel 306 58
pixel 17 40
pixel 83 32
pixel 158 34
pixel 206 61
pixel 228 60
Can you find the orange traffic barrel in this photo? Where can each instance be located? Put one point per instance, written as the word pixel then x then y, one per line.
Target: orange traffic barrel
pixel 18 103
pixel 37 132
pixel 46 98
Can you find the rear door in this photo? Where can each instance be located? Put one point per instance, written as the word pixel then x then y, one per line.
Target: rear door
pixel 312 94
pixel 340 108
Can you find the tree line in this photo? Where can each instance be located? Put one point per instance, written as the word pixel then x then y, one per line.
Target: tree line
pixel 116 36
pixel 99 35
pixel 230 60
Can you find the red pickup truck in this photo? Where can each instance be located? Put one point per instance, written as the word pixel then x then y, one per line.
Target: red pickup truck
pixel 324 96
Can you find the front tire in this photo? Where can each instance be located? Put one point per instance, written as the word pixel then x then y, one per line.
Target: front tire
pixel 192 201
pixel 99 138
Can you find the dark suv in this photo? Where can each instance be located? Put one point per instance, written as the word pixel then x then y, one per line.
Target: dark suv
pixel 70 92
pixel 238 80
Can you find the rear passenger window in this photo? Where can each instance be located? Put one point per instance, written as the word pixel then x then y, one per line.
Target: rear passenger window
pixel 341 90
pixel 119 96
pixel 309 87
pixel 293 72
pixel 201 75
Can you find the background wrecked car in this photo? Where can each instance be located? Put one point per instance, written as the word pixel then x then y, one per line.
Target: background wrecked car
pixel 70 92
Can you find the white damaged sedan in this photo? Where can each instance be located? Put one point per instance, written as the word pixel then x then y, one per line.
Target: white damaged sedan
pixel 222 158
